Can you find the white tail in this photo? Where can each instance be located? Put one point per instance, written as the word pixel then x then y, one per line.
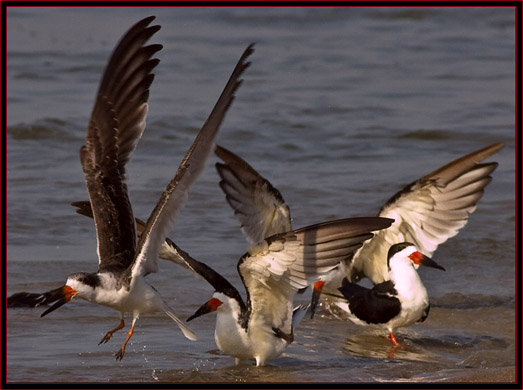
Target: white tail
pixel 187 332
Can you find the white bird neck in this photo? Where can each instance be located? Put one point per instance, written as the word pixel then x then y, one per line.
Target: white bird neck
pixel 228 314
pixel 406 279
pixel 229 335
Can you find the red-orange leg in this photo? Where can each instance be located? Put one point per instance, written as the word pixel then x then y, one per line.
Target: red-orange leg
pixel 109 334
pixel 394 347
pixel 393 339
pixel 121 352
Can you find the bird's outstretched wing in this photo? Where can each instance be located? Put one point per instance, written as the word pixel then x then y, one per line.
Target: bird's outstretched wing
pixel 275 269
pixel 259 206
pixel 162 218
pixel 117 123
pixel 168 251
pixel 427 212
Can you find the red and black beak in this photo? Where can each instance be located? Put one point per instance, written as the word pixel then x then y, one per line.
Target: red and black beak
pixel 63 295
pixel 420 259
pixel 208 307
pixel 316 292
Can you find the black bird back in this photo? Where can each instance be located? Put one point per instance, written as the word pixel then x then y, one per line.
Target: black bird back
pixel 374 306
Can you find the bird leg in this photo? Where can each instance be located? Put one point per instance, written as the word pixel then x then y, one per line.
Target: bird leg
pixel 393 339
pixel 391 351
pixel 121 352
pixel 109 334
pixel 395 346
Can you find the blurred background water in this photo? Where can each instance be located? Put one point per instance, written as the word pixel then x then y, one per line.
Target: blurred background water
pixel 340 109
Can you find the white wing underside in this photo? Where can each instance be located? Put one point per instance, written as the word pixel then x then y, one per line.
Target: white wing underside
pixel 161 223
pixel 275 269
pixel 427 213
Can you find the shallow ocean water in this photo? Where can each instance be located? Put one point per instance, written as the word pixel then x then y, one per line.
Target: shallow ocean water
pixel 340 109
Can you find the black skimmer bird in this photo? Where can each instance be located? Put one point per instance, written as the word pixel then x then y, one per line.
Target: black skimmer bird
pixel 427 212
pixel 272 271
pixel 400 301
pixel 116 125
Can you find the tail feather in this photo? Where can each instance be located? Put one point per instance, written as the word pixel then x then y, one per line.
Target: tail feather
pixel 187 332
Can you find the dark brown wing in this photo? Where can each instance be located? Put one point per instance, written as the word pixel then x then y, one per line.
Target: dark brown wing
pixel 117 123
pixel 259 206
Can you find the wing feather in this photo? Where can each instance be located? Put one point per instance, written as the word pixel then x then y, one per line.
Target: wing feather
pixel 259 206
pixel 117 123
pixel 275 269
pixel 428 212
pixel 162 218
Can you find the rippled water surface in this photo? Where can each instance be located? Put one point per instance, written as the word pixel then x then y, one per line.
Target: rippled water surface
pixel 339 110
